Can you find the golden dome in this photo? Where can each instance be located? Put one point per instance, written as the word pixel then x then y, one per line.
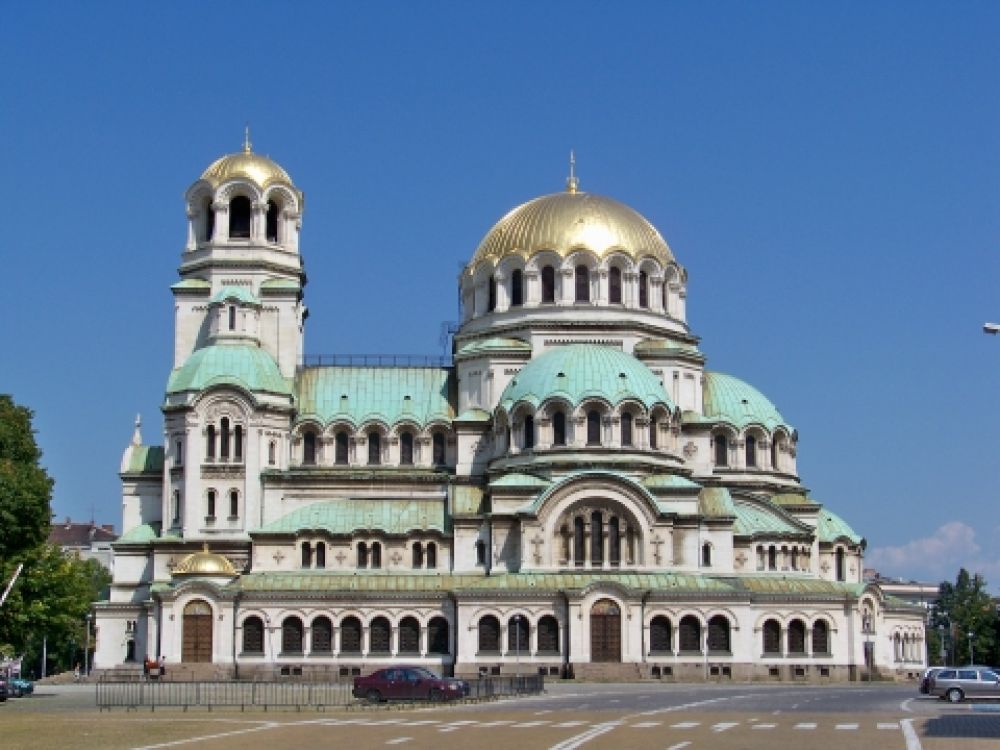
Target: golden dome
pixel 205 563
pixel 571 221
pixel 245 165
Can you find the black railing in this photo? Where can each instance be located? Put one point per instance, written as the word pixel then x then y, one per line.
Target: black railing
pixel 155 694
pixel 375 360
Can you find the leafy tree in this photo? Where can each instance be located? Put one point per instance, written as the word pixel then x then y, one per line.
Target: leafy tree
pixel 964 608
pixel 25 487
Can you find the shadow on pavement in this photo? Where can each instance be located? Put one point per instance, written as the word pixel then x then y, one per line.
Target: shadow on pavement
pixel 963 727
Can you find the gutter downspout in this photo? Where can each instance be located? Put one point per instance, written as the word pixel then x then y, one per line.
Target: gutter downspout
pixel 566 638
pixel 236 611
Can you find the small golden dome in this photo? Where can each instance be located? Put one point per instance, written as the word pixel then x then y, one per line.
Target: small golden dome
pixel 205 563
pixel 245 165
pixel 571 221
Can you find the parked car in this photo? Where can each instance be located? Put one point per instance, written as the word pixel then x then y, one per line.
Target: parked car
pixel 925 679
pixel 4 689
pixel 408 683
pixel 20 686
pixel 958 684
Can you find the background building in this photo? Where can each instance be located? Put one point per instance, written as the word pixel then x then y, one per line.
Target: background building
pixel 573 492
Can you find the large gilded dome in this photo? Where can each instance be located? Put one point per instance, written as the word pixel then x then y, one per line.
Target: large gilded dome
pixel 570 221
pixel 245 165
pixel 204 563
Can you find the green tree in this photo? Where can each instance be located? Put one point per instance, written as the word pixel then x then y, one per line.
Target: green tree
pixel 25 487
pixel 966 617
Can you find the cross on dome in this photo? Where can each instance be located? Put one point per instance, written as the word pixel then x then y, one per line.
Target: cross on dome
pixel 572 183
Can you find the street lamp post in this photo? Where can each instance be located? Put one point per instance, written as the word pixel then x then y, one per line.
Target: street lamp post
pixel 972 656
pixel 943 649
pixel 517 643
pixel 86 651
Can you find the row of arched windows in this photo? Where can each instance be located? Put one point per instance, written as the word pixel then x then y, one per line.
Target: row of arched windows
pixel 518 634
pixel 374 439
pixel 224 443
pixel 785 557
pixel 752 458
pixel 241 219
pixel 212 502
pixel 594 435
pixel 369 555
pixel 795 638
pixel 688 635
pixel 323 638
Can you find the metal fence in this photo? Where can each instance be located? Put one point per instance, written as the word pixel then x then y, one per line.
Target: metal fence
pixel 155 694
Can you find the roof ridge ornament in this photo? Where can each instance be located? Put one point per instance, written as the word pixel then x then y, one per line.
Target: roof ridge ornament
pixel 137 433
pixel 247 146
pixel 572 183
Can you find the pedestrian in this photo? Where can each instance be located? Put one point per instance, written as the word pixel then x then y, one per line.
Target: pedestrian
pixel 163 665
pixel 76 672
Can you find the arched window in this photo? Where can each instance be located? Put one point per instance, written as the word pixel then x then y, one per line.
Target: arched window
pixel 772 637
pixel 480 552
pixel 350 635
pixel 721 450
pixel 548 285
pixel 418 555
pixel 772 558
pixel 210 442
pixel 437 636
pixel 548 635
pixel 376 555
pixel 322 636
pixel 582 275
pixel 596 539
pixel 796 637
pixel 643 290
pixel 431 556
pixel 751 451
pixel 238 442
pixel 320 555
pixel 529 432
pixel 820 637
pixel 209 211
pixel 489 635
pixel 232 317
pixel 271 229
pixel 706 555
pixel 309 448
pixel 615 286
pixel 593 427
pixel 210 509
pixel 291 636
pixel 653 429
pixel 437 448
pixel 516 288
pixel 614 541
pixel 559 428
pixel 362 555
pixel 239 218
pixel 775 456
pixel 626 429
pixel 409 636
pixel 253 636
pixel 660 635
pixel 689 633
pixel 306 555
pixel 177 506
pixel 491 304
pixel 272 453
pixel 718 634
pixel 234 504
pixel 340 448
pixel 406 449
pixel 579 541
pixel 517 635
pixel 841 567
pixel 380 634
pixel 374 448
pixel 224 439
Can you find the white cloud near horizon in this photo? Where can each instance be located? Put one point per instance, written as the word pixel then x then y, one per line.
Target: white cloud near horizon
pixel 939 556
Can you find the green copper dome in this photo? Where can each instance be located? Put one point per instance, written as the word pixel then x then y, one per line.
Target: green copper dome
pixel 830 527
pixel 728 399
pixel 242 365
pixel 238 293
pixel 576 372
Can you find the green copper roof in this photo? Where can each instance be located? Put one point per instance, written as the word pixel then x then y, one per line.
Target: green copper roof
pixel 669 482
pixel 192 285
pixel 831 527
pixel 497 345
pixel 532 507
pixel 473 415
pixel 727 399
pixel 665 347
pixel 146 532
pixel 753 519
pixel 579 371
pixel 792 499
pixel 238 293
pixel 517 479
pixel 277 284
pixel 465 499
pixel 716 502
pixel 389 394
pixel 145 459
pixel 242 365
pixel 347 516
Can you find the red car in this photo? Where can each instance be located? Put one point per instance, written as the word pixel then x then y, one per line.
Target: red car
pixel 408 683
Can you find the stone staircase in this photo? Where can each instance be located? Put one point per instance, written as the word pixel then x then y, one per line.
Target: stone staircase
pixel 607 672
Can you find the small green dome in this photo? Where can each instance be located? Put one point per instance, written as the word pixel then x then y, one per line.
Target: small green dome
pixel 576 372
pixel 830 527
pixel 728 399
pixel 237 293
pixel 243 365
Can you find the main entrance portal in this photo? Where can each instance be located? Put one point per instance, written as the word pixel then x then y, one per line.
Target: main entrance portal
pixel 197 645
pixel 605 632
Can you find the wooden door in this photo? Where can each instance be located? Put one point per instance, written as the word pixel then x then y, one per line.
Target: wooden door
pixel 605 632
pixel 197 641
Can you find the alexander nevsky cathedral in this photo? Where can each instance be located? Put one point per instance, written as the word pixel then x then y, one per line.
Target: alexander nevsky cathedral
pixel 571 493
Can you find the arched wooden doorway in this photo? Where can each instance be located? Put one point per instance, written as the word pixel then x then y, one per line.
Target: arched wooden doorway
pixel 197 645
pixel 605 632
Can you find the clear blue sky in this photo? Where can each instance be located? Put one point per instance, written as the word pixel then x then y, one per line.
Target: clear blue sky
pixel 828 173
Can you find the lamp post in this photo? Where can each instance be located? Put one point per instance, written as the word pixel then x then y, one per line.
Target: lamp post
pixel 86 651
pixel 517 643
pixel 972 656
pixel 943 649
